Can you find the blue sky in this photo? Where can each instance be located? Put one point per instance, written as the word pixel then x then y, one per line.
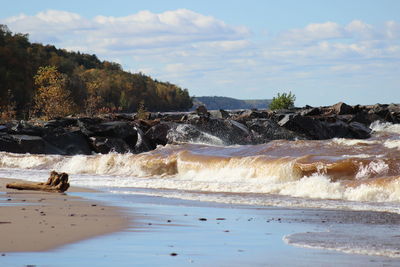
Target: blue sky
pixel 322 51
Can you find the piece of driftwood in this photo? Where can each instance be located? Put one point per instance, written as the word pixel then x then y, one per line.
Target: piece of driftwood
pixel 57 182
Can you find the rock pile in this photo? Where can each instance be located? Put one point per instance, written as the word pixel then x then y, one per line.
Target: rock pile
pixel 124 133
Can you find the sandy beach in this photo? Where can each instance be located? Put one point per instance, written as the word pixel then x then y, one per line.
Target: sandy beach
pixel 38 221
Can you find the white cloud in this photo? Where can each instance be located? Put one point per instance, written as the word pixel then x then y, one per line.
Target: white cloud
pixel 313 32
pixel 360 29
pixel 141 30
pixel 392 29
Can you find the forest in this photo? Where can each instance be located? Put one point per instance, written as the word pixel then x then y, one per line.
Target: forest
pixel 34 75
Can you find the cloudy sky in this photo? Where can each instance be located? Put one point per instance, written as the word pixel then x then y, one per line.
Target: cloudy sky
pixel 322 51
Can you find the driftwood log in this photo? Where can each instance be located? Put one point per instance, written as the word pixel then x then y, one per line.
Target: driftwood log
pixel 57 182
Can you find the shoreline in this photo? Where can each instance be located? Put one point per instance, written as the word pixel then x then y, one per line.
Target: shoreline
pixel 178 232
pixel 34 221
pixel 174 232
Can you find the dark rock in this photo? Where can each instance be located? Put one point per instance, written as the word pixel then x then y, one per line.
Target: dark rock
pixel 315 129
pixel 174 117
pixel 365 117
pixel 106 145
pixel 382 111
pixel 157 134
pixel 265 130
pixel 252 114
pixel 69 143
pixel 337 129
pixel 142 144
pixel 22 144
pixel 312 128
pixel 202 110
pixel 229 131
pixel 114 129
pixel 345 118
pixel 359 130
pixel 24 128
pixel 63 122
pixel 342 108
pixel 311 112
pixel 88 125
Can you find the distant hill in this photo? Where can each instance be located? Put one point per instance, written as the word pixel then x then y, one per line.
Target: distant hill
pixel 221 102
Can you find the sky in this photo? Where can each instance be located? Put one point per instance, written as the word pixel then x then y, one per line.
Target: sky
pixel 322 51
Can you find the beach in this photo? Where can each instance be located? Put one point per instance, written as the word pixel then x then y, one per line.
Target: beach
pixel 140 230
pixel 39 221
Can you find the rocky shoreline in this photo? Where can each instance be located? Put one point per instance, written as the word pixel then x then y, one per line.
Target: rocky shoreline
pixel 124 133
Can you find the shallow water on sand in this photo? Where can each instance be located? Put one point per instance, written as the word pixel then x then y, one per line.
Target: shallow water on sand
pixel 228 235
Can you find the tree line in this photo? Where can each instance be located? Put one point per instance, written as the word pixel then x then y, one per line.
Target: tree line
pixel 33 75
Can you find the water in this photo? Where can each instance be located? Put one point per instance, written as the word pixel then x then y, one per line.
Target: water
pixel 340 174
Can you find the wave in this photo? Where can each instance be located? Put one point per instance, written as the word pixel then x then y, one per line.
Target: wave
pixel 385 127
pixel 341 169
pixel 236 169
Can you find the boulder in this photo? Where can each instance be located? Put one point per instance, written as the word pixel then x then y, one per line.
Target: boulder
pixel 365 117
pixel 252 114
pixel 311 111
pixel 142 144
pixel 202 111
pixel 157 134
pixel 187 133
pixel 382 111
pixel 61 123
pixel 3 128
pixel 315 129
pixel 69 142
pixel 265 130
pixel 114 129
pixel 230 131
pixel 219 114
pixel 342 108
pixel 359 130
pixel 24 128
pixel 22 144
pixel 106 145
pixel 306 126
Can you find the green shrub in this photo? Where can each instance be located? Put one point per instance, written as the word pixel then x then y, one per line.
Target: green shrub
pixel 283 101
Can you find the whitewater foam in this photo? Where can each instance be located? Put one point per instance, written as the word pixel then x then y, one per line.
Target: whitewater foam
pixel 385 127
pixel 392 144
pixel 373 168
pixel 345 248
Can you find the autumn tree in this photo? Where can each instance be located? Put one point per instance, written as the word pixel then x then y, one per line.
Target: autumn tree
pixel 8 110
pixel 52 98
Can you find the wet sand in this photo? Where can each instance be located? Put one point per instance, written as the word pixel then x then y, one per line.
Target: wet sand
pixel 39 221
pixel 173 232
